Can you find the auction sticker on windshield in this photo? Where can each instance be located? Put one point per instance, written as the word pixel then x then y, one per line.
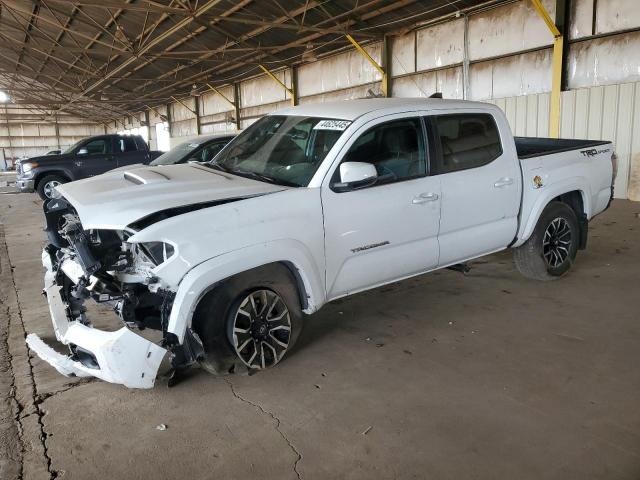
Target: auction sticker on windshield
pixel 332 125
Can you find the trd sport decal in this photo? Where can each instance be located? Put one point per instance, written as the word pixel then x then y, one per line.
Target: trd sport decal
pixel 369 247
pixel 592 152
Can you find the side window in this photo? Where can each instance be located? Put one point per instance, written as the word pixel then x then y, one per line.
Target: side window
pixel 396 149
pixel 466 140
pixel 97 146
pixel 126 144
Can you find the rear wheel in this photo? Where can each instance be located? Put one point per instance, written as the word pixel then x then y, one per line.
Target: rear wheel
pixel 46 186
pixel 252 320
pixel 553 245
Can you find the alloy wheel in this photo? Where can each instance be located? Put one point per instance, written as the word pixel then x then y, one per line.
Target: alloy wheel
pixel 556 243
pixel 261 329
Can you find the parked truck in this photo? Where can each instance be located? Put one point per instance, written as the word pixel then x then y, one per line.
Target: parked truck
pixel 307 205
pixel 87 158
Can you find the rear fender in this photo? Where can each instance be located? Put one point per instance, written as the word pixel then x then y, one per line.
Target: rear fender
pixel 205 276
pixel 538 199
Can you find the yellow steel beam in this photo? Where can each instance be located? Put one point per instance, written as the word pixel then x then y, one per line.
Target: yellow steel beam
pixel 277 80
pixel 375 64
pixel 556 79
pixel 556 75
pixel 214 89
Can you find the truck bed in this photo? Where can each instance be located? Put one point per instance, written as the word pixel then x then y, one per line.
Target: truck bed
pixel 537 146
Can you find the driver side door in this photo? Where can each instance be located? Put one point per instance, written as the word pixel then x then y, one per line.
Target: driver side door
pixel 389 230
pixel 94 157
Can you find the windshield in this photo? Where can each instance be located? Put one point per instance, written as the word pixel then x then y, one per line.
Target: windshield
pixel 176 154
pixel 285 150
pixel 72 147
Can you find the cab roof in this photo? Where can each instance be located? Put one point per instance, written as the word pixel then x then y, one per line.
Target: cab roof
pixel 352 109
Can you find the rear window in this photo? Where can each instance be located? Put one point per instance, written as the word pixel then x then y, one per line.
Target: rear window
pixel 466 140
pixel 126 144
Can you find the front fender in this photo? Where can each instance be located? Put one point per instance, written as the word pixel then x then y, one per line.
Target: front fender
pixel 535 202
pixel 202 278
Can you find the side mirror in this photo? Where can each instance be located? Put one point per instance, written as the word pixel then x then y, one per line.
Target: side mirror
pixel 83 151
pixel 354 175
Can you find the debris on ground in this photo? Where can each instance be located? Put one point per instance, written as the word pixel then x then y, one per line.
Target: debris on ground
pixel 162 427
pixel 367 430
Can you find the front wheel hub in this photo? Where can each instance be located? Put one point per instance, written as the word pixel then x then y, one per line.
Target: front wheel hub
pixel 261 329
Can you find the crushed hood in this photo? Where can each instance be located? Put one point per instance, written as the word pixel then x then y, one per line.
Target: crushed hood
pixel 117 199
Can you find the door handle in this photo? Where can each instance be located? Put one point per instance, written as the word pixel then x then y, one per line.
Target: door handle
pixel 425 197
pixel 503 182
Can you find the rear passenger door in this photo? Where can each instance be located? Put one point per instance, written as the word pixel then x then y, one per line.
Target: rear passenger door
pixel 126 151
pixel 480 183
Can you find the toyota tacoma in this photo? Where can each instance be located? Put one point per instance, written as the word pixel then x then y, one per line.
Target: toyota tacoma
pixel 222 260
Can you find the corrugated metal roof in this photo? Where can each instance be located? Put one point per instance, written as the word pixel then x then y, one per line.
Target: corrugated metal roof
pixel 105 58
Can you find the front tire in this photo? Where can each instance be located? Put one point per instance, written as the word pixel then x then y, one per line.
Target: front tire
pixel 250 321
pixel 551 250
pixel 46 186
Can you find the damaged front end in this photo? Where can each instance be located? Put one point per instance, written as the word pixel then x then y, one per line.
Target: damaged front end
pixel 104 266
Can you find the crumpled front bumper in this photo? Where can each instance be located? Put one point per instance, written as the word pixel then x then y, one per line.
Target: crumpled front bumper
pixel 118 357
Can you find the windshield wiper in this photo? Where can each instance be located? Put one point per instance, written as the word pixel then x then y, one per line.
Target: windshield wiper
pixel 256 175
pixel 217 166
pixel 250 174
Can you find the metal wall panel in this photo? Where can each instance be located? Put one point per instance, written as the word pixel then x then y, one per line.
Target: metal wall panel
pixel 338 72
pixel 614 15
pixel 581 18
pixel 508 29
pixel 212 103
pixel 403 54
pixel 179 112
pixel 361 91
pixel 604 61
pixel 264 90
pixel 440 45
pixel 448 81
pixel 510 76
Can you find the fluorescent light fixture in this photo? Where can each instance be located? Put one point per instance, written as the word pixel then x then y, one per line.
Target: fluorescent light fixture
pixel 3 97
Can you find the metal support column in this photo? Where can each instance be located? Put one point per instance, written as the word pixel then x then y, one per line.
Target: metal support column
pixel 57 130
pixel 466 94
pixel 169 119
pixel 196 112
pixel 147 122
pixel 557 62
pixel 385 81
pixel 236 105
pixel 294 85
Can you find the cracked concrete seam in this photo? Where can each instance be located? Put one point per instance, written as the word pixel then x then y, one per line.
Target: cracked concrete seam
pixel 277 425
pixel 6 273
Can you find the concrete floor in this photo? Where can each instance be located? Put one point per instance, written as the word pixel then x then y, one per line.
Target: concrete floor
pixel 487 376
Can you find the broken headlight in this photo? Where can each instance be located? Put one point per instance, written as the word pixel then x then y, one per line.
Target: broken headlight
pixel 157 252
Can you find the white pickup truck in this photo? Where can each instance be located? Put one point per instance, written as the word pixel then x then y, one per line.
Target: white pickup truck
pixel 307 205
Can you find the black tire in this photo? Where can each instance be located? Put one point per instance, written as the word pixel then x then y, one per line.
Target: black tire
pixel 45 185
pixel 535 260
pixel 215 315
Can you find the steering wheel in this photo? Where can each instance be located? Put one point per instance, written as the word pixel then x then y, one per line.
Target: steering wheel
pixel 386 173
